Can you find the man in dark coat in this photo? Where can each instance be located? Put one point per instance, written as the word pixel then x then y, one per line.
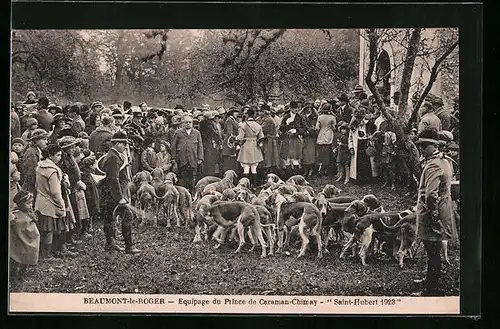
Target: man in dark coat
pixel 212 142
pixel 270 141
pixel 344 111
pixel 115 191
pixel 99 139
pixel 435 222
pixel 230 132
pixel 78 125
pixel 43 116
pixel 136 133
pixel 187 153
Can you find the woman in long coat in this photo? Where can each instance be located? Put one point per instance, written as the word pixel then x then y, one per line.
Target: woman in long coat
pixel 269 142
pixel 293 127
pixel 250 135
pixel 326 126
pixel 309 141
pixel 212 142
pixel 358 142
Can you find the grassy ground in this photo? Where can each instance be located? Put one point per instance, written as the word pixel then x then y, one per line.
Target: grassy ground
pixel 171 264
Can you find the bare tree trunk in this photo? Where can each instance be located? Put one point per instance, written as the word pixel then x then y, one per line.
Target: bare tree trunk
pixel 407 72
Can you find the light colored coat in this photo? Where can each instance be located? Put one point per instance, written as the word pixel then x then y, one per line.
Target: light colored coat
pixel 326 125
pixel 434 194
pixel 249 132
pixel 49 199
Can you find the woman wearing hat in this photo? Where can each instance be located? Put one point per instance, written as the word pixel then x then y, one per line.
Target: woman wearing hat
pixel 230 132
pixel 326 125
pixel 77 211
pixel 24 237
pixel 293 127
pixel 270 149
pixel 50 204
pixel 434 207
pixel 58 125
pixel 249 135
pixel 309 142
pixel 212 142
pixel 360 168
pixel 38 143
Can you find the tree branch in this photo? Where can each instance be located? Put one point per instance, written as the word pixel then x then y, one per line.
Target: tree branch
pixel 432 79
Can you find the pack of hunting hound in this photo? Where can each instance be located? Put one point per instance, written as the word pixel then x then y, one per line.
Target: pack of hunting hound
pixel 271 215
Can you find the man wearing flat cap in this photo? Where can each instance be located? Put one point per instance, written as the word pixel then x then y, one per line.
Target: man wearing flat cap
pixel 434 207
pixel 115 191
pixel 38 143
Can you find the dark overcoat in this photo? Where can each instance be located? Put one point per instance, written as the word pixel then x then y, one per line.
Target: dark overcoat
pixel 270 143
pixel 187 149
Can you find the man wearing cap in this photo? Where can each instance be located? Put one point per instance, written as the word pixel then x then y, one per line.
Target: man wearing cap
pixel 428 118
pixel 434 207
pixel 187 152
pixel 43 116
pixel 38 143
pixel 230 132
pixel 136 133
pixel 78 125
pixel 115 191
pixel 344 111
pixel 99 139
pixel 212 142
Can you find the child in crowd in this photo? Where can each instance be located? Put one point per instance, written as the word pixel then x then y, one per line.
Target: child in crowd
pixel 31 125
pixel 343 154
pixel 87 167
pixel 24 237
pixel 148 158
pixel 388 155
pixel 15 178
pixel 18 146
pixel 163 158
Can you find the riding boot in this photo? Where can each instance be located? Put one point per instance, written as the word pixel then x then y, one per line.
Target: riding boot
pixel 127 236
pixel 109 233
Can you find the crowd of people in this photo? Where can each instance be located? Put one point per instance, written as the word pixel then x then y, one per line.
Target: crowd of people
pixel 59 152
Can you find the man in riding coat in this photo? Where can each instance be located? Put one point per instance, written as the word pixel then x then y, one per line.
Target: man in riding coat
pixel 435 222
pixel 115 191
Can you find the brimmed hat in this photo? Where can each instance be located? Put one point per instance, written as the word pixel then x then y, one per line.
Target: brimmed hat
pixel 117 114
pixel 265 107
pixel 231 110
pixel 358 89
pixel 176 119
pixel 294 105
pixel 83 135
pixel 31 121
pixel 22 196
pixel 205 107
pixel 38 134
pixel 119 136
pixel 178 107
pixel 18 140
pixel 88 161
pixel 453 146
pixel 32 93
pixel 210 114
pixel 67 141
pixel 151 115
pixel 428 135
pixel 220 110
pixel 445 135
pixel 136 111
pixel 94 104
pixel 343 124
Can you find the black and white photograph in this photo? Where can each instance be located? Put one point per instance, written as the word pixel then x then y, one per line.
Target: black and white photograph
pixel 295 162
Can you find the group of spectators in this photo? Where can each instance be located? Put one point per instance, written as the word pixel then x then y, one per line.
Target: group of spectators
pixel 56 154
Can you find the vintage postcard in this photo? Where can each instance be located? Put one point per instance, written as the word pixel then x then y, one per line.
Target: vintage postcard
pixel 238 171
